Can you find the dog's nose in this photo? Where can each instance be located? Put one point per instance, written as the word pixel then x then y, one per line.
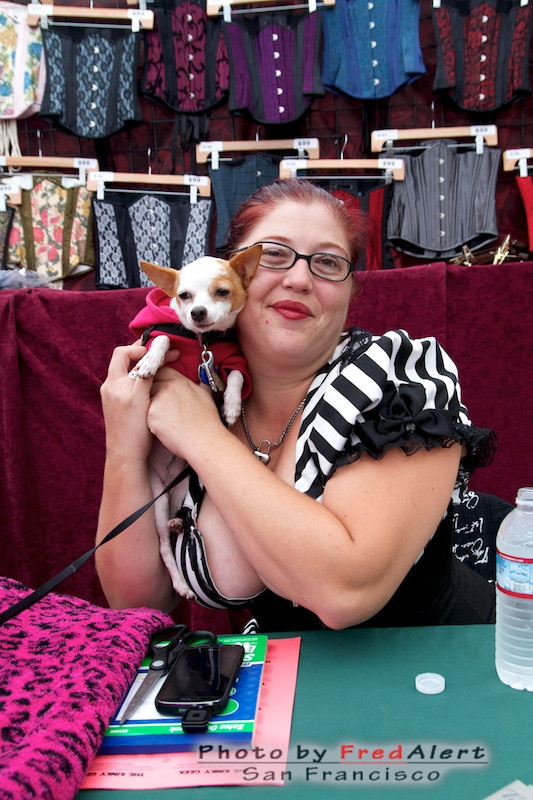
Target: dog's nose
pixel 198 313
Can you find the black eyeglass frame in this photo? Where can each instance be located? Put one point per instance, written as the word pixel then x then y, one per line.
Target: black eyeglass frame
pixel 351 267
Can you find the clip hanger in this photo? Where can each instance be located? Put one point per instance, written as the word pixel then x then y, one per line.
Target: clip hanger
pixel 81 164
pixel 481 133
pixel 393 167
pixel 303 145
pixel 214 7
pixel 197 184
pixel 138 17
pixel 55 162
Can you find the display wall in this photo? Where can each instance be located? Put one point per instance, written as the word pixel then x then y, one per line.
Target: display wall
pixel 341 123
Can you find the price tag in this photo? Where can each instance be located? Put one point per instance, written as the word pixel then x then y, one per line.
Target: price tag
pixel 7 188
pixel 209 147
pixel 295 163
pixel 214 148
pixel 39 10
pixel 195 180
pixel 483 130
pixel 137 16
pixel 521 152
pixel 102 177
pixel 304 144
pixel 385 135
pixel 521 155
pixel 390 163
pixel 83 164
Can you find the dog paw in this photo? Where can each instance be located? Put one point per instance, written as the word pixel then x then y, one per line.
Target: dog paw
pixel 146 367
pixel 185 592
pixel 175 525
pixel 230 415
pixel 180 587
pixel 232 396
pixel 231 408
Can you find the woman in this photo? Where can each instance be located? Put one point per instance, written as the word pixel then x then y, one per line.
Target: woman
pixel 331 488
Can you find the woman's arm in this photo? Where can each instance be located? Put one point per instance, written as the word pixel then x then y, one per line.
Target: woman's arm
pixel 343 559
pixel 130 569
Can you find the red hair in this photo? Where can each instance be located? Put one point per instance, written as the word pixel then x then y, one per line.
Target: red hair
pixel 264 199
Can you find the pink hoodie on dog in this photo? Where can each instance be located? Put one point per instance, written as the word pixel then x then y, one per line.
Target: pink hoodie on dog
pixel 226 352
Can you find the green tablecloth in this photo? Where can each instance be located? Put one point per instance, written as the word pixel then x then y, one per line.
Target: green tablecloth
pixel 357 688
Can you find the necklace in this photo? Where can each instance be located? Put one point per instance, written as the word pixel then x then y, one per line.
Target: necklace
pixel 266 444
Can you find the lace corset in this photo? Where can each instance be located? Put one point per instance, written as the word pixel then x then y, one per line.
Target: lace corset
pixel 131 228
pixel 91 88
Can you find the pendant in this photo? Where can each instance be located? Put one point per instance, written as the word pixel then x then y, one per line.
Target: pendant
pixel 263 456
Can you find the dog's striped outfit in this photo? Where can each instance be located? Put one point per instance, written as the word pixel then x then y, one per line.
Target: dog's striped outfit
pixel 375 393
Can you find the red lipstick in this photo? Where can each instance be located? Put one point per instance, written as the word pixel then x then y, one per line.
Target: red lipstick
pixel 292 310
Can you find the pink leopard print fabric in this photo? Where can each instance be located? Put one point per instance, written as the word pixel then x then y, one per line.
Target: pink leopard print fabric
pixel 65 666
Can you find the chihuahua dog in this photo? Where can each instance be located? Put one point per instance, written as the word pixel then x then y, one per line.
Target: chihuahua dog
pixel 193 308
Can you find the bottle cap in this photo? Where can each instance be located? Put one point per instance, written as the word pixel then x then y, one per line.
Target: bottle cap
pixel 430 683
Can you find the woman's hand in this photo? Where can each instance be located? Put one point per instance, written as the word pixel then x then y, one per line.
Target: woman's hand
pixel 125 404
pixel 181 412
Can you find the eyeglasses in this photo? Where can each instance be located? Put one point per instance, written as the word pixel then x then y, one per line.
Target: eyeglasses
pixel 327 266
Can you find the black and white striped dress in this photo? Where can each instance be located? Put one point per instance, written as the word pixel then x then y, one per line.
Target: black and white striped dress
pixel 374 393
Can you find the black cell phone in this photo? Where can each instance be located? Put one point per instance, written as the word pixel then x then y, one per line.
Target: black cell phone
pixel 201 677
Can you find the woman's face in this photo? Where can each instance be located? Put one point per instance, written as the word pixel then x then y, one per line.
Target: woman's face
pixel 291 314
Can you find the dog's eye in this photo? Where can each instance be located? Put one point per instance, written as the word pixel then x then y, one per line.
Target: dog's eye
pixel 184 295
pixel 222 292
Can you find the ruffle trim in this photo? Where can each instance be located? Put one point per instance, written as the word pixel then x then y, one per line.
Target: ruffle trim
pixel 481 443
pixel 429 430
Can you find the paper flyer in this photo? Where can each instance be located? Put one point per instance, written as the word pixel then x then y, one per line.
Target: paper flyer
pixel 186 769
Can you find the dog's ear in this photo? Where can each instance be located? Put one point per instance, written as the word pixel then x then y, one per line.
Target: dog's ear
pixel 245 263
pixel 164 277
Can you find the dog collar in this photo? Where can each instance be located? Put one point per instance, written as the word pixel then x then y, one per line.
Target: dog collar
pixel 179 329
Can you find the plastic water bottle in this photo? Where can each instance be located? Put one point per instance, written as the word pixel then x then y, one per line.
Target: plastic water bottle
pixel 514 594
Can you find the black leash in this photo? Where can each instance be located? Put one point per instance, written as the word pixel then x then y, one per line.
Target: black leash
pixel 47 587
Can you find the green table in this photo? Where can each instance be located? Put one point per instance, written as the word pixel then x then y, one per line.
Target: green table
pixel 356 688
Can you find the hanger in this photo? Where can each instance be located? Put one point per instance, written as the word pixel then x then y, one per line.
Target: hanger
pixel 56 162
pixel 138 17
pixel 213 7
pixel 392 167
pixel 481 133
pixel 197 184
pixel 437 3
pixel 303 145
pixel 41 162
pixel 518 156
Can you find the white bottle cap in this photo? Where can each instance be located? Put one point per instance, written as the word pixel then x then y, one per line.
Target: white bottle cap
pixel 430 683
